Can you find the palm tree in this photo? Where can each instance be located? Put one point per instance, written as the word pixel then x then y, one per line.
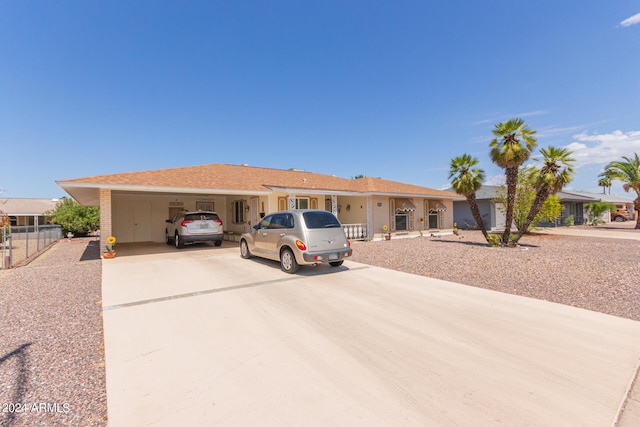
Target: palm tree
pixel 605 183
pixel 556 172
pixel 628 171
pixel 466 181
pixel 511 147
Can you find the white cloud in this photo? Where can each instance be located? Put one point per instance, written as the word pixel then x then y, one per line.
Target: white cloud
pixel 632 20
pixel 604 148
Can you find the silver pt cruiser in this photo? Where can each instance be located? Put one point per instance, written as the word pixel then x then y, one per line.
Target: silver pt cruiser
pixel 297 237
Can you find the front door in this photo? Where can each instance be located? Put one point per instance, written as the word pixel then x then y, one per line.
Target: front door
pixel 142 222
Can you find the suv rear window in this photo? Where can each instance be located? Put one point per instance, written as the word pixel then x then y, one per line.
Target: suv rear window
pixel 201 216
pixel 320 219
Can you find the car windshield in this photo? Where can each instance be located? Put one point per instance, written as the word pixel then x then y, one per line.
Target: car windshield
pixel 320 219
pixel 201 216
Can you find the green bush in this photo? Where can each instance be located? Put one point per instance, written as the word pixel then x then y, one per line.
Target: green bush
pixel 75 218
pixel 569 221
pixel 595 211
pixel 494 239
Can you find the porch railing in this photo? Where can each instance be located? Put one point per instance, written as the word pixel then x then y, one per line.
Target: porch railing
pixel 356 231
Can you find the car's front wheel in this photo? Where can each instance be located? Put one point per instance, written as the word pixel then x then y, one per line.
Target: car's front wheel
pixel 244 249
pixel 167 239
pixel 177 240
pixel 619 219
pixel 288 261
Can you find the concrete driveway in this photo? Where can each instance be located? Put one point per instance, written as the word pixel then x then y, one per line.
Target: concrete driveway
pixel 203 337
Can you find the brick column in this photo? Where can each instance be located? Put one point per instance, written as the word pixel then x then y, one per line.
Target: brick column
pixel 105 217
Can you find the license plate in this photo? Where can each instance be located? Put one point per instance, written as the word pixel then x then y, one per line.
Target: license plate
pixel 204 225
pixel 333 257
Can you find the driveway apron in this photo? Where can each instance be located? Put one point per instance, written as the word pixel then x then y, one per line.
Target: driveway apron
pixel 205 338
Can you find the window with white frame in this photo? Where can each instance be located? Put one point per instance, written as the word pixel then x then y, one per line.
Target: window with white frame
pixel 302 203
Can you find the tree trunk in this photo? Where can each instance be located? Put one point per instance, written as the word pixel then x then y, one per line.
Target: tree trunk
pixel 473 205
pixel 541 196
pixel 636 207
pixel 512 181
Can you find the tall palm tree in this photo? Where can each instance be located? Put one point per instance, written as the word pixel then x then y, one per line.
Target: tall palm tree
pixel 556 172
pixel 604 183
pixel 466 181
pixel 628 171
pixel 512 146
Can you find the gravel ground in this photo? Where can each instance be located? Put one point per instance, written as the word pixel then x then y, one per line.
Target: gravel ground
pixel 51 339
pixel 597 274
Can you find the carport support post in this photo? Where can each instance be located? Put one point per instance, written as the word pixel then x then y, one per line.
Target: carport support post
pixel 105 217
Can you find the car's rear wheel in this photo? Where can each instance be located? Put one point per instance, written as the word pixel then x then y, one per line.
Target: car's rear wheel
pixel 178 241
pixel 217 242
pixel 619 219
pixel 288 261
pixel 336 263
pixel 244 249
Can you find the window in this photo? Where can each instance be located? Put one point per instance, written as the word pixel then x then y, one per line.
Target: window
pixel 433 219
pixel 302 203
pixel 204 206
pixel 401 221
pixel 281 221
pixel 320 219
pixel 264 223
pixel 238 211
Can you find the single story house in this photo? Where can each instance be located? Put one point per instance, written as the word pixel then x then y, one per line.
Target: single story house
pixel 26 211
pixel 491 210
pixel 493 216
pixel 574 202
pixel 135 205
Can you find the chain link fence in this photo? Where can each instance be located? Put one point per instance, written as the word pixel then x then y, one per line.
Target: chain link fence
pixel 22 242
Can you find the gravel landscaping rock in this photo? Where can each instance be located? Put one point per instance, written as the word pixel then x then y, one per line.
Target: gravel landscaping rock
pixel 51 339
pixel 596 274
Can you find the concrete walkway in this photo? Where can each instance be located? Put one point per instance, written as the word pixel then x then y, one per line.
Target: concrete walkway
pixel 609 231
pixel 203 337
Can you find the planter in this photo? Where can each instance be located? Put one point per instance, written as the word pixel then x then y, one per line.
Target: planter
pixel 387 237
pixel 109 254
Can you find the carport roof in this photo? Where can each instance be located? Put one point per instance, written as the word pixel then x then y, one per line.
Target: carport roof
pixel 236 179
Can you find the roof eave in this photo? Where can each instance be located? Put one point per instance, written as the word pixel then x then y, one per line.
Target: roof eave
pixel 158 189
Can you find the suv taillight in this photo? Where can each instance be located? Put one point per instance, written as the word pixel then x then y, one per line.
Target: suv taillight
pixel 301 245
pixel 219 221
pixel 185 222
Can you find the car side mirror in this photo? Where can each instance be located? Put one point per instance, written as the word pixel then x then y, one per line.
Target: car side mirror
pixel 168 221
pixel 256 227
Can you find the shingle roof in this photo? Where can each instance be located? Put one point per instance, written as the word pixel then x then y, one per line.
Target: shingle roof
pixel 485 192
pixel 599 196
pixel 24 206
pixel 248 178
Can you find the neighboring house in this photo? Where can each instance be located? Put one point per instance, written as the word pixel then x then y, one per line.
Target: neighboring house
pixel 491 211
pixel 135 205
pixel 574 202
pixel 22 211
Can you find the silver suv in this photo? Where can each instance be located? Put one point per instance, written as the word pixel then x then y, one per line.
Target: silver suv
pixel 191 227
pixel 297 237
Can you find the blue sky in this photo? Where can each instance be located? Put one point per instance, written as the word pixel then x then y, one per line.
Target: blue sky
pixel 391 89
